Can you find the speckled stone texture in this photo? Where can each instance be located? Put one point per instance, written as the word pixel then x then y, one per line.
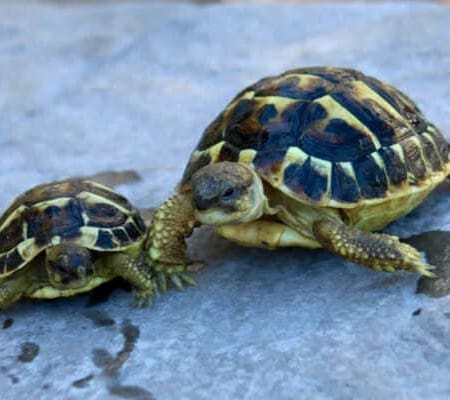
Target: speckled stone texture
pixel 88 88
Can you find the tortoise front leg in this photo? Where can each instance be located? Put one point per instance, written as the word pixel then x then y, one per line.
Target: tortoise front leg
pixel 12 290
pixel 374 250
pixel 173 222
pixel 133 270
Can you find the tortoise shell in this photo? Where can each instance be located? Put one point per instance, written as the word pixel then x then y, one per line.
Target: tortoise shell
pixel 328 137
pixel 73 210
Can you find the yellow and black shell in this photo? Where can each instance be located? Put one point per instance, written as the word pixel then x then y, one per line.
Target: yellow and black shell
pixel 73 210
pixel 327 136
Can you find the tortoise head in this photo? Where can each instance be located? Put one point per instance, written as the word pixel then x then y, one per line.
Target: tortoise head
pixel 69 266
pixel 227 193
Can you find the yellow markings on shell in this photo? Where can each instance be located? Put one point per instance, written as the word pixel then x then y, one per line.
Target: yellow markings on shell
pixel 91 198
pixel 55 240
pixel 294 155
pixel 324 168
pixel 430 139
pixel 88 236
pixel 58 202
pixel 214 151
pixel 365 92
pixel 50 292
pixel 13 216
pixel 347 166
pixel 28 248
pixel 339 111
pixel 247 156
pixel 279 102
pixel 422 154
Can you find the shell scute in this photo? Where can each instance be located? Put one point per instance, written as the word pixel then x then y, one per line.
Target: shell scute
pixel 371 177
pixel 343 185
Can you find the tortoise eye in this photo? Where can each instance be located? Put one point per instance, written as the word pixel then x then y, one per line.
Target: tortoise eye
pixel 228 193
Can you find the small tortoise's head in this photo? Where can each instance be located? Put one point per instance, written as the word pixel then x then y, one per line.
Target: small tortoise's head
pixel 227 193
pixel 69 266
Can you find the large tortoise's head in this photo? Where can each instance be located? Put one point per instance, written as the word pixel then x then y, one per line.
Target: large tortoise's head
pixel 227 193
pixel 69 266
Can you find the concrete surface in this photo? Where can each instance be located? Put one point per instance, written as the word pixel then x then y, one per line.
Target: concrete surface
pixel 90 88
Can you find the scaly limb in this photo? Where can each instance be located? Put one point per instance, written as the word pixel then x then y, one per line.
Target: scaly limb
pixel 172 224
pixel 132 269
pixel 13 289
pixel 374 250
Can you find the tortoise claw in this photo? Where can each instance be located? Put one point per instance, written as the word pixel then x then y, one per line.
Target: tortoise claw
pixel 144 298
pixel 162 281
pixel 177 281
pixel 188 279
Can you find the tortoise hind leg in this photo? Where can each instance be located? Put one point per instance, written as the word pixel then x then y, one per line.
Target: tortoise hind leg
pixel 374 250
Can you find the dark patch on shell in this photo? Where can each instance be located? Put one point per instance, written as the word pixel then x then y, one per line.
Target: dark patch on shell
pixel 371 178
pixel 11 235
pixel 28 352
pixel 13 260
pixel 413 158
pixel 339 141
pixel 104 215
pixel 108 194
pixel 395 167
pixel 64 221
pixel 132 231
pixel 441 144
pixel 120 235
pixel 431 155
pixel 105 240
pixel 266 113
pixel 368 116
pixel 290 88
pixel 385 92
pixel 228 152
pixel 305 179
pixel 343 187
pixel 269 163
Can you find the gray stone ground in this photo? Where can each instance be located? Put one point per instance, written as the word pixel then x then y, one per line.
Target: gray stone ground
pixel 89 88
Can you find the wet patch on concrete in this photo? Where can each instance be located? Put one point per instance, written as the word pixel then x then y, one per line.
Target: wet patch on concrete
pixel 416 312
pixel 83 382
pixel 131 392
pixel 112 365
pixel 99 318
pixel 436 245
pixel 7 323
pixel 28 352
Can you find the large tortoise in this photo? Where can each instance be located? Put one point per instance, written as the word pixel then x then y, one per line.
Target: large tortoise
pixel 63 238
pixel 315 157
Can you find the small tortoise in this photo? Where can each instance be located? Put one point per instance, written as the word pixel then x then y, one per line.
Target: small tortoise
pixel 63 238
pixel 315 157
